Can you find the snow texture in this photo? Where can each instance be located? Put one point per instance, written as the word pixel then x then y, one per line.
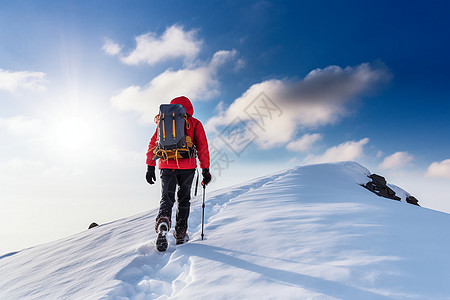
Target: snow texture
pixel 310 232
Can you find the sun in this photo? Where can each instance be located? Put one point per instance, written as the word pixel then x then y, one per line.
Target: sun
pixel 74 133
pixel 77 127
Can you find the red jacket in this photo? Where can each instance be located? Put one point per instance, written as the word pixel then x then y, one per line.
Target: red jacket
pixel 194 130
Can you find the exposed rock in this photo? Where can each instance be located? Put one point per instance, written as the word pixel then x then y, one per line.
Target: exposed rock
pixel 93 225
pixel 378 185
pixel 412 200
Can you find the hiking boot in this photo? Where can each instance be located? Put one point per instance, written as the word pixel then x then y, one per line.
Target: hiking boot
pixel 161 220
pixel 161 240
pixel 182 240
pixel 180 235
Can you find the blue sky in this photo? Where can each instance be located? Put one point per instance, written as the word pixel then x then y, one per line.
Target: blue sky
pixel 80 82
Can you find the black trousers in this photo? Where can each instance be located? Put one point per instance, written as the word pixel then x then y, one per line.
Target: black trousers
pixel 170 179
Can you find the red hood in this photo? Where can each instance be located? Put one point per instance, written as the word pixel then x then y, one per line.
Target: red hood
pixel 186 104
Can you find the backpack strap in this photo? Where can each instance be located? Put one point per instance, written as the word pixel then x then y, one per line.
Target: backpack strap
pixel 173 125
pixel 163 128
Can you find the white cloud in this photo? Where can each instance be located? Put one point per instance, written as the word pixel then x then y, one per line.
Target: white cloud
pixel 197 84
pixel 321 98
pixel 304 143
pixel 23 80
pixel 439 169
pixel 110 47
pixel 173 43
pixel 21 125
pixel 15 164
pixel 350 150
pixel 396 160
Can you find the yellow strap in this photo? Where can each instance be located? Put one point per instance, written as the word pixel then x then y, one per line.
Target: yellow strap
pixel 163 154
pixel 164 129
pixel 176 158
pixel 173 125
pixel 177 152
pixel 151 149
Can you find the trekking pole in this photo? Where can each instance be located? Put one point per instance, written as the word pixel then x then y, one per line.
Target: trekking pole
pixel 203 210
pixel 196 183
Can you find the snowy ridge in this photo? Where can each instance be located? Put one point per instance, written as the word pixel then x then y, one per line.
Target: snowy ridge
pixel 311 232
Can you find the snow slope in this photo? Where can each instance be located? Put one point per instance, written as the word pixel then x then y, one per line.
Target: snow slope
pixel 306 233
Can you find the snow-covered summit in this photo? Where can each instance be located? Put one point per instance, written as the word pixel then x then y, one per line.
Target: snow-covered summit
pixel 310 232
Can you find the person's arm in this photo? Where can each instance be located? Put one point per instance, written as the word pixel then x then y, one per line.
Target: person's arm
pixel 150 175
pixel 201 143
pixel 152 146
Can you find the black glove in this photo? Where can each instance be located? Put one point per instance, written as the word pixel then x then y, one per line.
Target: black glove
pixel 150 175
pixel 206 176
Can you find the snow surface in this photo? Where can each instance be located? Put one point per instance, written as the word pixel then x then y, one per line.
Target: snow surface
pixel 310 232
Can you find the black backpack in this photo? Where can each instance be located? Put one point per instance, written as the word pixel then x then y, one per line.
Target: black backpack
pixel 173 143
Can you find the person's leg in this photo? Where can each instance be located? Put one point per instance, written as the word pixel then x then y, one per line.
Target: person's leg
pixel 168 186
pixel 184 179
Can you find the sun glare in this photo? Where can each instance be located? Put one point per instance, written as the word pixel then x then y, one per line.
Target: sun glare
pixel 74 133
